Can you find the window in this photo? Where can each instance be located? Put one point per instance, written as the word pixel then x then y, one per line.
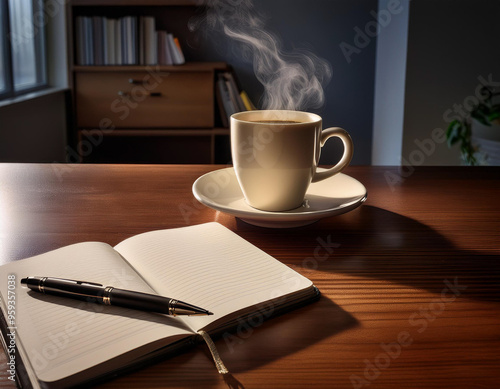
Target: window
pixel 22 51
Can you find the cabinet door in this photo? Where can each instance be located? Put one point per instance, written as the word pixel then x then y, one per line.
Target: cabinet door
pixel 143 99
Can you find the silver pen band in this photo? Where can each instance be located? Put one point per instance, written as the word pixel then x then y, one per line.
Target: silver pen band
pixel 41 286
pixel 171 307
pixel 106 297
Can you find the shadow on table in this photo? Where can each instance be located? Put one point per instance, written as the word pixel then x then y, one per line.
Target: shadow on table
pixel 375 243
pixel 253 346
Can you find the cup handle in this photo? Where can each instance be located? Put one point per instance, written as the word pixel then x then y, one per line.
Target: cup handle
pixel 346 158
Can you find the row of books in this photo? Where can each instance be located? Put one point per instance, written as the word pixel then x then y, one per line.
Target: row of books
pixel 125 41
pixel 229 98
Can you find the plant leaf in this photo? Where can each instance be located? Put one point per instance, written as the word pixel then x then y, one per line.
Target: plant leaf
pixel 453 133
pixel 451 125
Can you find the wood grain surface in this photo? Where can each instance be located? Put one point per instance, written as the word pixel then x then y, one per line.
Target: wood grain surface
pixel 410 281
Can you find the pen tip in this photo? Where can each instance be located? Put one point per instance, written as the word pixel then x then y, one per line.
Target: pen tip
pixel 209 313
pixel 24 281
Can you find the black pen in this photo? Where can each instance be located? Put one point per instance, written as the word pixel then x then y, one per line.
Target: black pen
pixel 107 295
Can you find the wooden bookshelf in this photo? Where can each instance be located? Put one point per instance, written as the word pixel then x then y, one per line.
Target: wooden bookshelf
pixel 143 113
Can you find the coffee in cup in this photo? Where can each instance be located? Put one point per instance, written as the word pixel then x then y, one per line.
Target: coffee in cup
pixel 275 155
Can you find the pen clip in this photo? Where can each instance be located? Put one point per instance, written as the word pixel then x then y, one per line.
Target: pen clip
pixel 88 283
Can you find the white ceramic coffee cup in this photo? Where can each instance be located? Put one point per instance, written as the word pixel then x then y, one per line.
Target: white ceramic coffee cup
pixel 275 155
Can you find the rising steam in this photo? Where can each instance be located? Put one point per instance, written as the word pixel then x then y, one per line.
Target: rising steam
pixel 292 80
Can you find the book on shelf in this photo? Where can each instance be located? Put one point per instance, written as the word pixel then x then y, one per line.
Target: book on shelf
pixel 99 39
pixel 233 92
pixel 63 342
pixel 226 107
pixel 230 98
pixel 109 58
pixel 178 49
pixel 169 49
pixel 246 101
pixel 148 44
pixel 117 44
pixel 129 40
pixel 80 29
pixel 164 55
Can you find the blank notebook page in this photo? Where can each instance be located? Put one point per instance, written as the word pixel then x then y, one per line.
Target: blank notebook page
pixel 209 266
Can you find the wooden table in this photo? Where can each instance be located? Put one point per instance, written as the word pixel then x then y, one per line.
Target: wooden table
pixel 410 281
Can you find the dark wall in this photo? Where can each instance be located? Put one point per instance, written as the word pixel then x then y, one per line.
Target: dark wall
pixel 452 45
pixel 319 26
pixel 34 130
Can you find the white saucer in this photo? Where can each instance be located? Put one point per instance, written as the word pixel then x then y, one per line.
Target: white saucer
pixel 339 194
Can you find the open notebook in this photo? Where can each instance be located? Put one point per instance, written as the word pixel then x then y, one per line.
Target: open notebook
pixel 64 342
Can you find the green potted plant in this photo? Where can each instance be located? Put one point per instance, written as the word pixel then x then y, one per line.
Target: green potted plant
pixel 487 113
